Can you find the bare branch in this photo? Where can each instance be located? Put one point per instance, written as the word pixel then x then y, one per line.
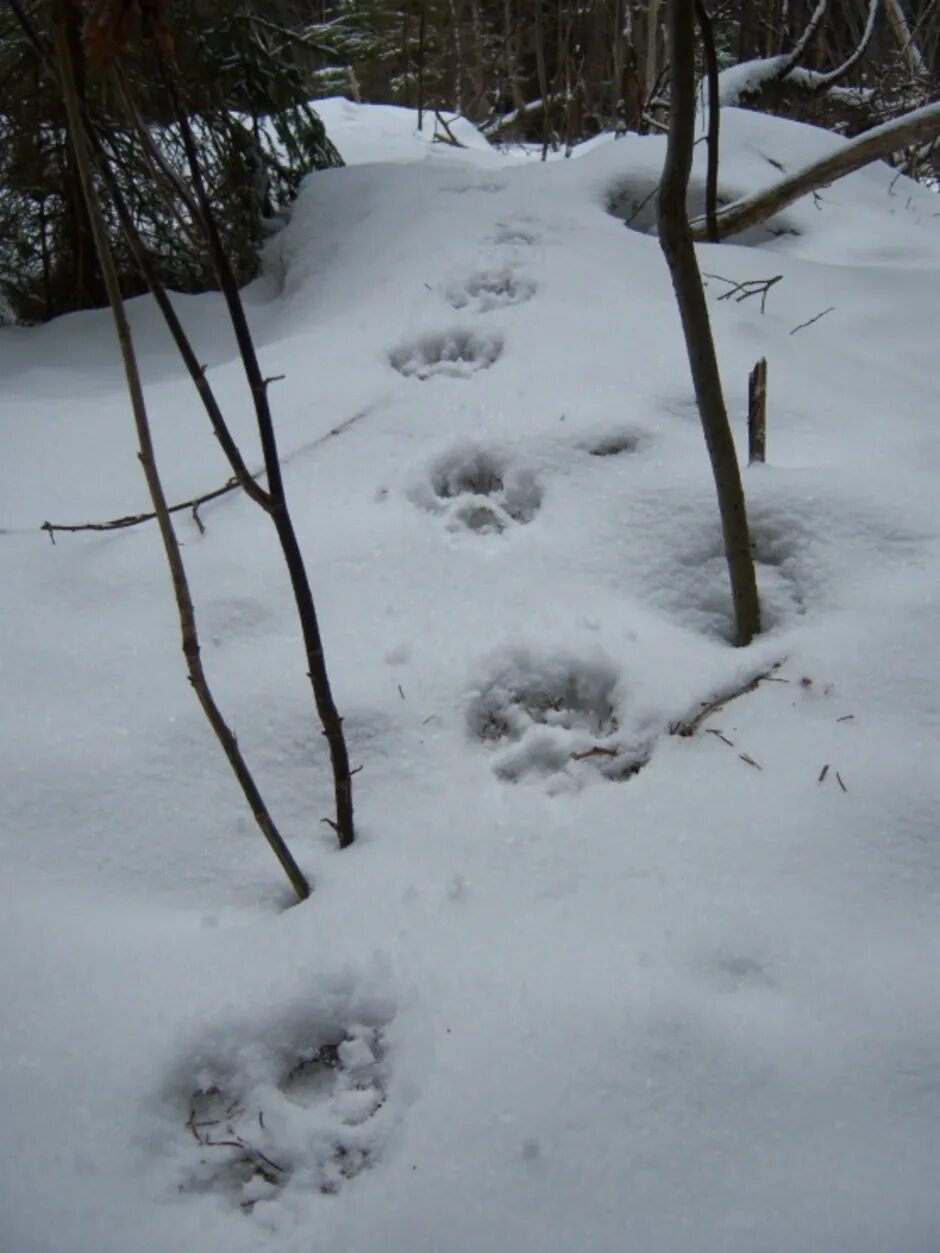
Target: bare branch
pixel 827 80
pixel 134 519
pixel 747 288
pixel 793 58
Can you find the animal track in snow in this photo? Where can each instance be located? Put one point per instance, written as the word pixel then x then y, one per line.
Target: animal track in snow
pixel 457 353
pixel 480 490
pixel 553 715
pixel 262 1118
pixel 488 188
pixel 734 972
pixel 516 234
pixel 617 443
pixel 633 201
pixel 491 289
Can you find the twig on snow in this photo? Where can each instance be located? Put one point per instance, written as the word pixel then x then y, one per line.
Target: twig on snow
pixel 688 726
pixel 599 750
pixel 802 325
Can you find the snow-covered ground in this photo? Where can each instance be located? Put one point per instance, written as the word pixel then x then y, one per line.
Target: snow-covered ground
pixel 582 985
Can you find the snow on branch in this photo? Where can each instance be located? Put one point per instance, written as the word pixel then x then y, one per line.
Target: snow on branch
pixel 752 78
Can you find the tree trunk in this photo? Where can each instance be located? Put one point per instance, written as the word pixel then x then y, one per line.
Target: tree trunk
pixel 675 237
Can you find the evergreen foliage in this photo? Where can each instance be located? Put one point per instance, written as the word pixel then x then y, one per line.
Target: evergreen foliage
pixel 246 87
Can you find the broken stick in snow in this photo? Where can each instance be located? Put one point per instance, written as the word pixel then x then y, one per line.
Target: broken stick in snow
pixel 757 413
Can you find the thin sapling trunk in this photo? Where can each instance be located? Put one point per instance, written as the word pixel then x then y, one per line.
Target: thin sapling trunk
pixel 714 119
pixel 675 238
pixel 330 719
pixel 187 617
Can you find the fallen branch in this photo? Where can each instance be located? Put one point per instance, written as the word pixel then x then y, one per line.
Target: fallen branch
pixel 688 726
pixel 498 125
pixel 450 136
pixel 599 750
pixel 903 132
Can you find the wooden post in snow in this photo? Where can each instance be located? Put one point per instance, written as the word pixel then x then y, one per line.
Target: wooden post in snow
pixel 757 413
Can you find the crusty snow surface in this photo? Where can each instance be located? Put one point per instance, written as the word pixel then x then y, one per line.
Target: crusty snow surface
pixel 582 985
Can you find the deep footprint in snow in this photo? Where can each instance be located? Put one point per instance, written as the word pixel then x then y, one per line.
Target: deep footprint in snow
pixel 256 1121
pixel 456 353
pixel 633 201
pixel 480 490
pixel 553 715
pixel 617 443
pixel 491 289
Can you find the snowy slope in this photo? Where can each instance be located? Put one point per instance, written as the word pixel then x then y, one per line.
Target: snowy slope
pixel 674 994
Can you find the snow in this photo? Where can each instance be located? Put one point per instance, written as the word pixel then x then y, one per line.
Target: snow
pixel 581 984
